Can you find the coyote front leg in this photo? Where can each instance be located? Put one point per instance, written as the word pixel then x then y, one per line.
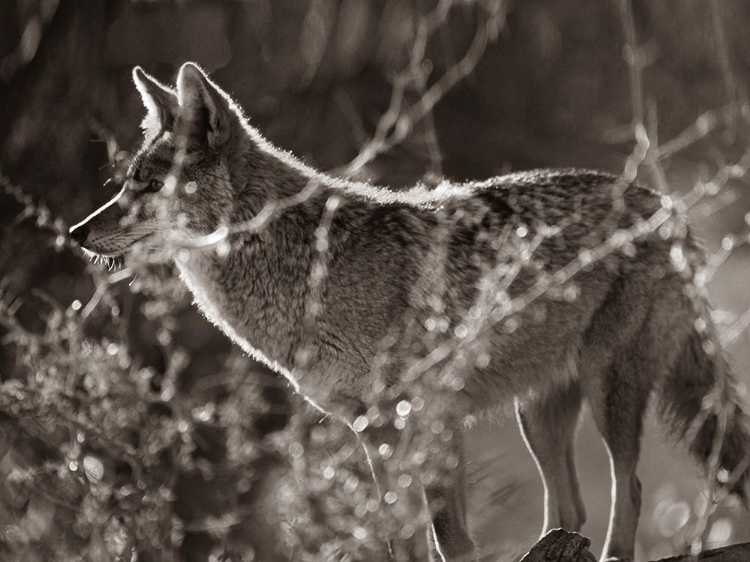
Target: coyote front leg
pixel 448 539
pixel 448 536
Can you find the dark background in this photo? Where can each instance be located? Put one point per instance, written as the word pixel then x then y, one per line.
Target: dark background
pixel 554 90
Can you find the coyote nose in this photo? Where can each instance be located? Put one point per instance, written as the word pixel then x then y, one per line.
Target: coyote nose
pixel 79 233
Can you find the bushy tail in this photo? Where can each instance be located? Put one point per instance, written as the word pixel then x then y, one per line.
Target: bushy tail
pixel 700 403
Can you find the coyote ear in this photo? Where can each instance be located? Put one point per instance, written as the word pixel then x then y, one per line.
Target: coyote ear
pixel 204 106
pixel 160 101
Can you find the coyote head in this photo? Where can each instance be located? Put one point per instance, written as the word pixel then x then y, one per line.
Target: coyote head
pixel 179 183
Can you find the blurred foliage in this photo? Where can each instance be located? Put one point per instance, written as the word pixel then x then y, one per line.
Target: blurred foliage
pixel 129 424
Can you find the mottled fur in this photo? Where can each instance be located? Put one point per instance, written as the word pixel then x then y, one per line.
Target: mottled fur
pixel 624 327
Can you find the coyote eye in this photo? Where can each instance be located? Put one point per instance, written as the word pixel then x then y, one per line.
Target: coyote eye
pixel 153 186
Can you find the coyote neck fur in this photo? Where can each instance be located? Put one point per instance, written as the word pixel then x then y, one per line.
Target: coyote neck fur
pixel 250 314
pixel 258 292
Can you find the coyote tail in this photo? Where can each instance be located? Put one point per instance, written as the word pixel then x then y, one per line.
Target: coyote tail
pixel 701 405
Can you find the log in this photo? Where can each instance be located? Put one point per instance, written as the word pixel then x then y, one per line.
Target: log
pixel 561 546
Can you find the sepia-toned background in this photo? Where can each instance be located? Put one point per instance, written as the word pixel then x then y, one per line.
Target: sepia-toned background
pixel 559 84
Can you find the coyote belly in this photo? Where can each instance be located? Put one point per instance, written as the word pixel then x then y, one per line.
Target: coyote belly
pixel 546 288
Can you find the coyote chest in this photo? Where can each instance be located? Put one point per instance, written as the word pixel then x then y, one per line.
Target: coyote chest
pixel 264 335
pixel 212 300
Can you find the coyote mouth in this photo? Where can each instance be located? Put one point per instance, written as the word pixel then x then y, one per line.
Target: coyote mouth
pixel 112 260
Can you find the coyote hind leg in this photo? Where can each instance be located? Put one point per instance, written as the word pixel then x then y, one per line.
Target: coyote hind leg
pixel 548 424
pixel 618 405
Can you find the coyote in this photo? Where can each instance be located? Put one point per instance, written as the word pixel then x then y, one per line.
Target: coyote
pixel 572 285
